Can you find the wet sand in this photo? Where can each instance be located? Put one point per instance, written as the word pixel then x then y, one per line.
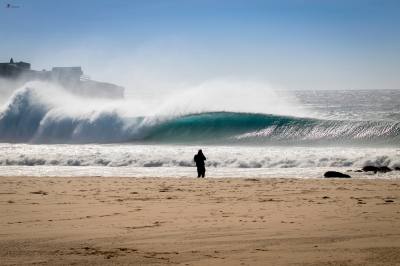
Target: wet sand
pixel 155 221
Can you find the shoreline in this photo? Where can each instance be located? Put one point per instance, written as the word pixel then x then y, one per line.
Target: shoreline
pixel 190 221
pixel 189 173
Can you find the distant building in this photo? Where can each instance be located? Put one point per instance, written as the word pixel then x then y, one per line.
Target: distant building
pixel 73 73
pixel 71 78
pixel 11 69
pixel 67 75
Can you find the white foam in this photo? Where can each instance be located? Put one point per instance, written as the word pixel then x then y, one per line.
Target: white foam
pixel 160 160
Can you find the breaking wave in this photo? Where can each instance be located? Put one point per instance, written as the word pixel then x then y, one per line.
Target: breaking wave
pixel 29 118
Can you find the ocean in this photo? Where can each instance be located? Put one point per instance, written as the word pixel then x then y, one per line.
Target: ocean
pixel 47 132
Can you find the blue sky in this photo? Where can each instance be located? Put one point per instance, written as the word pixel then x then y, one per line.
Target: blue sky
pixel 298 44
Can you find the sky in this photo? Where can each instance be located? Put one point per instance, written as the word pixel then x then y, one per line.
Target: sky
pixel 161 44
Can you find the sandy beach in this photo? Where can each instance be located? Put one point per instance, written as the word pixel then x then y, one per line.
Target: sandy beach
pixel 157 221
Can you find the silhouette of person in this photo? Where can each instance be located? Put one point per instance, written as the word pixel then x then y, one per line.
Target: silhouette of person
pixel 199 158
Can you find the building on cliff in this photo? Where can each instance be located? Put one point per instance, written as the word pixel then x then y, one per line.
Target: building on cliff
pixel 71 78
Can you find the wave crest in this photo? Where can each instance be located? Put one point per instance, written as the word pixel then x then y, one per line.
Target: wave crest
pixel 27 117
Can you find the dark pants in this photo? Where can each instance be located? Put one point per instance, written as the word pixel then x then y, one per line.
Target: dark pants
pixel 201 171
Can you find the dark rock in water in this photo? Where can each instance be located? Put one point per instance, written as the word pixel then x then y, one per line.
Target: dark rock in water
pixel 330 174
pixel 370 168
pixel 358 171
pixel 375 169
pixel 384 169
pixel 397 168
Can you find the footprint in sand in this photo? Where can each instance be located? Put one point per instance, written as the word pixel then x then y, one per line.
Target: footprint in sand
pixel 40 192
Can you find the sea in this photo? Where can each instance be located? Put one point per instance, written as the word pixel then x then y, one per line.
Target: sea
pixel 46 131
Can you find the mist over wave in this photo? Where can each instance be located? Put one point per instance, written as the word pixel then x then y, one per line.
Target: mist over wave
pixel 44 113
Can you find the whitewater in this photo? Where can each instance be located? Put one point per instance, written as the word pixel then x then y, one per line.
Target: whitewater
pixel 245 130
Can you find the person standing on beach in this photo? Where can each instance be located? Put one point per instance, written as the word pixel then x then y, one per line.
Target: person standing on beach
pixel 199 158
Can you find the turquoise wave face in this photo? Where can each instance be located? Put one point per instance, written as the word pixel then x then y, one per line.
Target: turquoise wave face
pixel 250 128
pixel 217 126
